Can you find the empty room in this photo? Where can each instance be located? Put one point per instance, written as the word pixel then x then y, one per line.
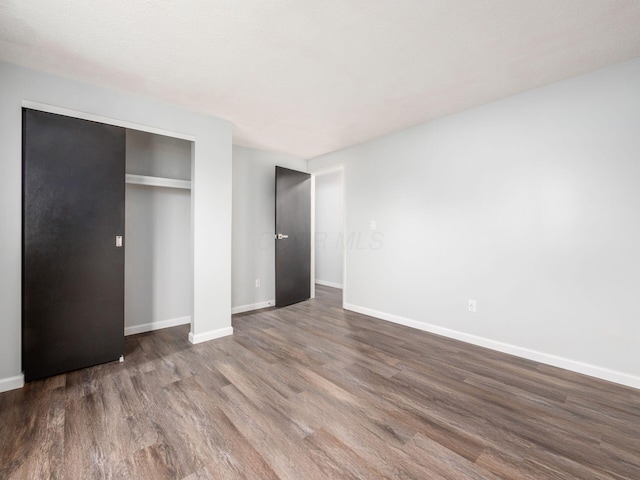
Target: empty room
pixel 295 239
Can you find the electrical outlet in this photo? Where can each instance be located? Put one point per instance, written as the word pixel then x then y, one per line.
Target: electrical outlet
pixel 373 225
pixel 257 283
pixel 472 305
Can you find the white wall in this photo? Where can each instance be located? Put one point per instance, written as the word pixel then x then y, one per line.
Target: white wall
pixel 158 269
pixel 158 155
pixel 211 196
pixel 530 205
pixel 328 237
pixel 254 223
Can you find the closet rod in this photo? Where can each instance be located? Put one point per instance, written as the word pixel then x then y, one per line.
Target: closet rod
pixel 157 181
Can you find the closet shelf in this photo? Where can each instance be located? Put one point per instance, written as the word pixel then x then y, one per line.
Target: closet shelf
pixel 157 181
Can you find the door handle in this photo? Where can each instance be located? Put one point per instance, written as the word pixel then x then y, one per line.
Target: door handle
pixel 280 236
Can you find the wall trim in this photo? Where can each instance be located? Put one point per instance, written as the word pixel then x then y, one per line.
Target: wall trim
pixel 540 357
pixel 252 306
pixel 149 327
pixel 11 383
pixel 67 112
pixel 211 335
pixel 329 284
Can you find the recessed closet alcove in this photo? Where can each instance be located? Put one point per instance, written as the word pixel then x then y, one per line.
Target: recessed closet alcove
pixel 158 259
pixel 106 239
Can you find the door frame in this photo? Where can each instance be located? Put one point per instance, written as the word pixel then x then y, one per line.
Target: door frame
pixel 332 169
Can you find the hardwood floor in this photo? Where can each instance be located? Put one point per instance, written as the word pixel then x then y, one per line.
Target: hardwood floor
pixel 314 392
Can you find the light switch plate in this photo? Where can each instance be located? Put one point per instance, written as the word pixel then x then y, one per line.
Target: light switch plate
pixel 472 305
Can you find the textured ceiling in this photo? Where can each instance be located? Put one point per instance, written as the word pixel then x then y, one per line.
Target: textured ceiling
pixel 311 76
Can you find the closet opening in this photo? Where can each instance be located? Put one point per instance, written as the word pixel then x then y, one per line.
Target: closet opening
pixel 158 257
pixel 157 174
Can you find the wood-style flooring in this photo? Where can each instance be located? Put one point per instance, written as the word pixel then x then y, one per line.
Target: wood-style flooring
pixel 315 392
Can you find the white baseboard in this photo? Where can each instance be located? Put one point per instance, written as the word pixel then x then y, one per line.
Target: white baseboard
pixel 11 383
pixel 149 327
pixel 212 335
pixel 541 357
pixel 252 306
pixel 329 284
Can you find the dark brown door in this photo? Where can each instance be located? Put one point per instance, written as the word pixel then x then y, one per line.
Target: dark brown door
pixel 73 272
pixel 293 236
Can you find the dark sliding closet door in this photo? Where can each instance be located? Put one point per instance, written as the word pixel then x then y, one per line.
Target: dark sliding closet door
pixel 73 272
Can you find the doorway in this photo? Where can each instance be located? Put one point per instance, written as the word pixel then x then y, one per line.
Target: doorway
pixel 328 256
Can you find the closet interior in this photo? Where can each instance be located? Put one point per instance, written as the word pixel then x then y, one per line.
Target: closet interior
pixel 158 260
